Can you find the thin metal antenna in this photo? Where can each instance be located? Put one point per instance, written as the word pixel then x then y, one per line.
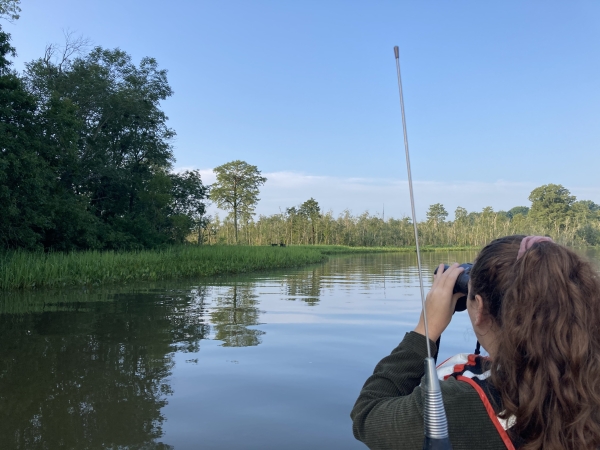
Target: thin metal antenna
pixel 412 199
pixel 435 423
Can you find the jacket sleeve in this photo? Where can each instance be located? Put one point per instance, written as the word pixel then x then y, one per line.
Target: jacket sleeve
pixel 388 413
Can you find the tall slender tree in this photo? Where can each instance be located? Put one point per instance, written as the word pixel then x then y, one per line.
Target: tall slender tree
pixel 311 210
pixel 237 189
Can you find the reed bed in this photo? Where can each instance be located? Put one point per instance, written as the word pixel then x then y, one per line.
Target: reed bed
pixel 25 270
pixel 28 270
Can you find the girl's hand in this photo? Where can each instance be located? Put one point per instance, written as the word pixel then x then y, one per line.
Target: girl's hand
pixel 440 302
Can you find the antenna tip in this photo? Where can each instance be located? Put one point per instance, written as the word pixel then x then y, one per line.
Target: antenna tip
pixel 396 52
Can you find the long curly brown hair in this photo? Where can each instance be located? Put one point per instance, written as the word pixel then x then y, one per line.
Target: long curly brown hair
pixel 547 366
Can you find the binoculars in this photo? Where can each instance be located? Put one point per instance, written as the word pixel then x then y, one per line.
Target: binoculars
pixel 462 285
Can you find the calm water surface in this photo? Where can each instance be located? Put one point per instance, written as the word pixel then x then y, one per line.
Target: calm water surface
pixel 268 361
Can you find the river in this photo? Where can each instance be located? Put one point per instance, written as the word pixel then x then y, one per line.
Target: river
pixel 265 361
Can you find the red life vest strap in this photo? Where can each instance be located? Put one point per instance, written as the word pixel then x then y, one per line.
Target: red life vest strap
pixel 474 370
pixel 490 410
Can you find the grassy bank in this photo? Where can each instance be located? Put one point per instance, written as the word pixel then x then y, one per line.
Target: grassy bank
pixel 342 249
pixel 24 270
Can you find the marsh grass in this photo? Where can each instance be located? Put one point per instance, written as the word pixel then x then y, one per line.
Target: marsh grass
pixel 342 249
pixel 27 270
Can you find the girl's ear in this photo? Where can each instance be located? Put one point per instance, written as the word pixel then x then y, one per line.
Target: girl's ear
pixel 480 316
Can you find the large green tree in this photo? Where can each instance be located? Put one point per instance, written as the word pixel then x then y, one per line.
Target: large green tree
pixel 436 214
pixel 523 210
pixel 23 173
pixel 9 9
pixel 37 158
pixel 123 143
pixel 550 206
pixel 188 205
pixel 237 189
pixel 85 153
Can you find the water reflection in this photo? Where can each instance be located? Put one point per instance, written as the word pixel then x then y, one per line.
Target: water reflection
pixel 306 285
pixel 234 311
pixel 92 369
pixel 92 374
pixel 370 271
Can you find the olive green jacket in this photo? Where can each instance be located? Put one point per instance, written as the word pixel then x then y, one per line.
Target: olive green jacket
pixel 388 413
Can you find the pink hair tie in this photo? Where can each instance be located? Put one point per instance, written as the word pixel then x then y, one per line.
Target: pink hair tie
pixel 528 241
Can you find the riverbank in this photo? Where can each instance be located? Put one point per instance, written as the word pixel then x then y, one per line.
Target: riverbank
pixel 343 250
pixel 26 270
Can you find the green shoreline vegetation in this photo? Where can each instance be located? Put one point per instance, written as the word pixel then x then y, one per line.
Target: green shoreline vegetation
pixel 21 270
pixel 553 211
pixel 26 270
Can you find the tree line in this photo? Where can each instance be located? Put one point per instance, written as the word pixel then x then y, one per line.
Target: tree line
pixel 553 211
pixel 86 153
pixel 86 162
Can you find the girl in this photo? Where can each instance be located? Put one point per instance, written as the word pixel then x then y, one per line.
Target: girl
pixel 535 307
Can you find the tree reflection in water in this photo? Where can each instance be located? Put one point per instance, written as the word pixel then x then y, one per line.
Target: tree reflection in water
pixel 305 285
pixel 234 311
pixel 93 375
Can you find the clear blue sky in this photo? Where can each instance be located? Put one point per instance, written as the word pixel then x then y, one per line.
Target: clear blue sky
pixel 500 97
